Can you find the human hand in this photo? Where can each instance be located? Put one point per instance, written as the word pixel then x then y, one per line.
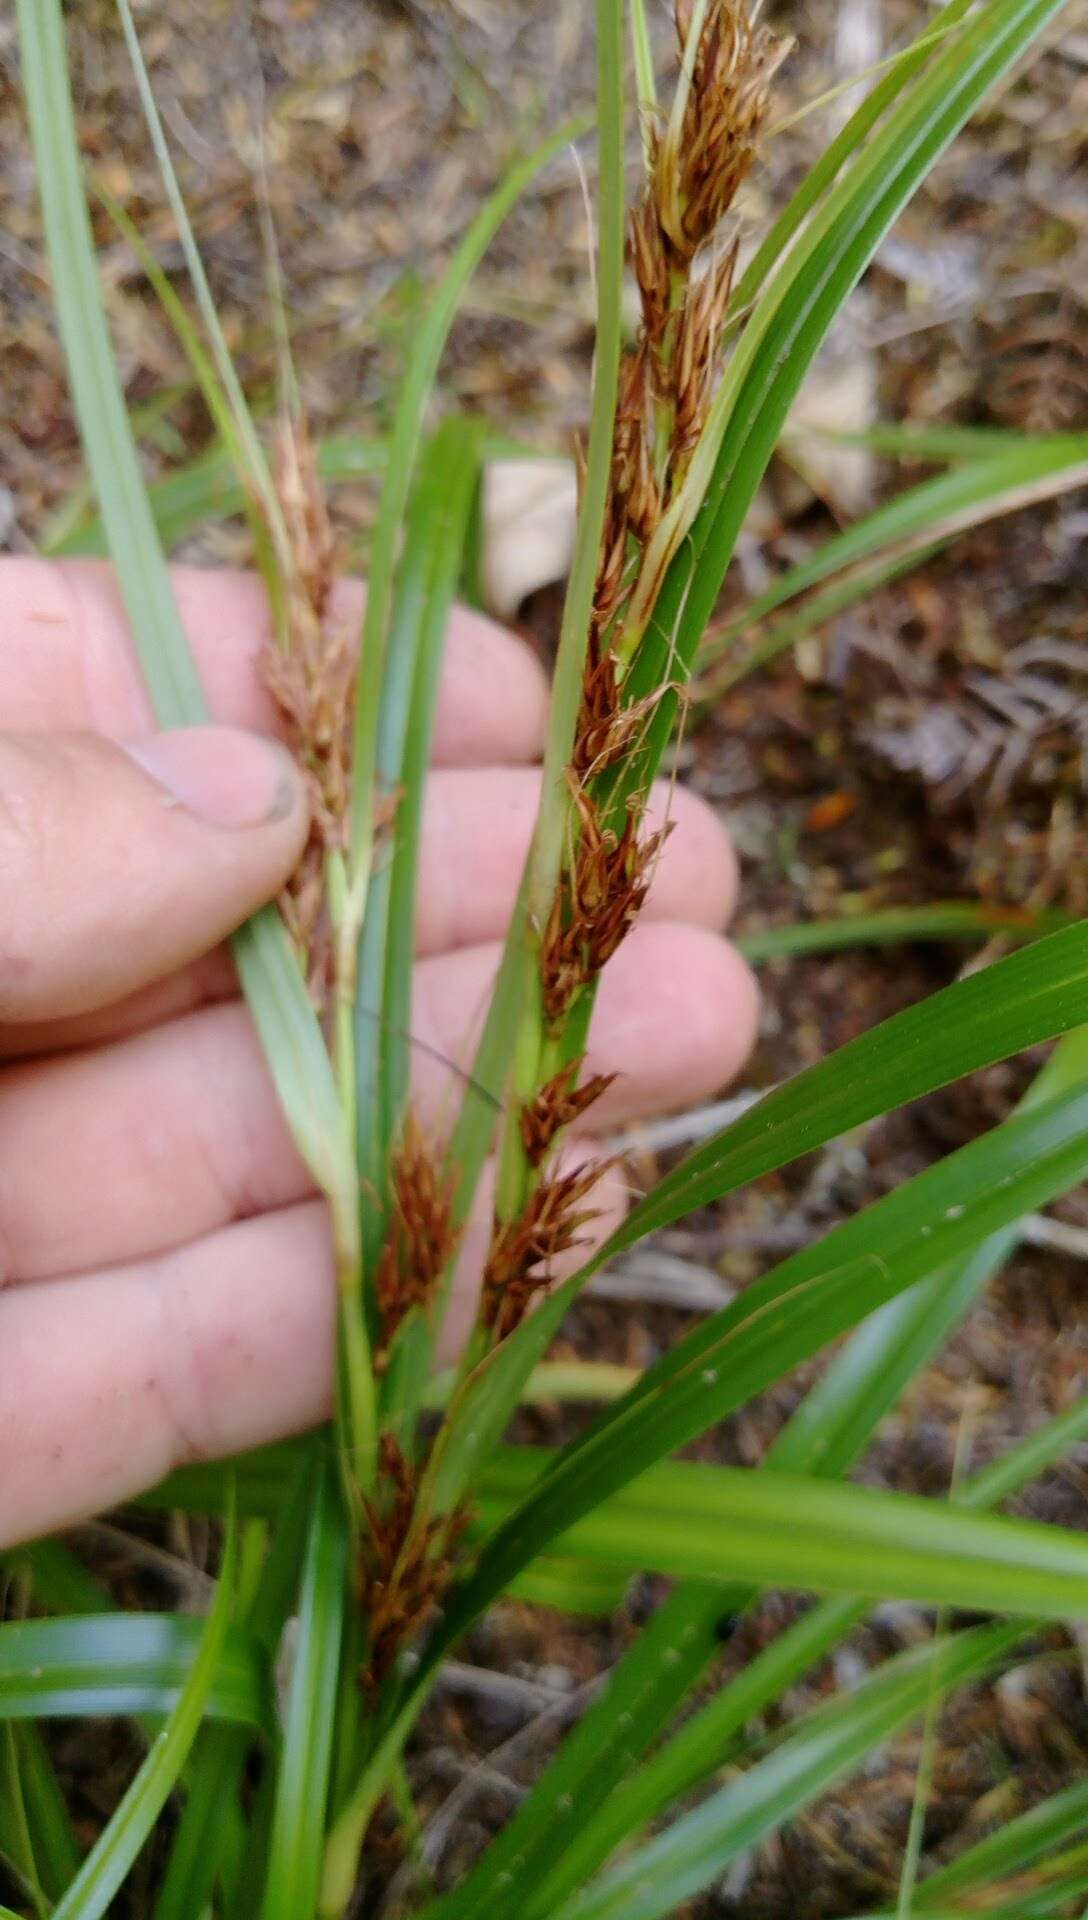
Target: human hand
pixel 166 1289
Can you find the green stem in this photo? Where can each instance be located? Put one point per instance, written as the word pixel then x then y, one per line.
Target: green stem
pixel 356 1394
pixel 553 831
pixel 346 1839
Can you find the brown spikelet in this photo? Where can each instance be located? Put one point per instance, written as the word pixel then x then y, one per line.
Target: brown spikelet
pixel 606 728
pixel 697 177
pixel 698 335
pixel 558 1104
pixel 608 592
pixel 311 678
pixel 651 269
pixel 594 743
pixel 596 902
pixel 522 1253
pixel 405 1566
pixel 633 480
pixel 422 1236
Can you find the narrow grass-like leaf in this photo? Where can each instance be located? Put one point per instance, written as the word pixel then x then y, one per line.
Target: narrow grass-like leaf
pixel 426 580
pixel 733 1524
pixel 950 920
pixel 846 143
pixel 231 413
pixel 930 442
pixel 1025 998
pixel 298 1827
pixel 425 355
pixel 596 1766
pixel 787 1315
pixel 100 407
pixel 570 1586
pixel 589 1762
pixel 438 528
pixel 824 1746
pixel 58 1580
pixel 847 589
pixel 925 517
pixel 110 1859
pixel 231 418
pixel 1029 997
pixel 55 1850
pixel 293 1045
pixel 289 1031
pixel 123 1663
pixel 791 318
pixel 830 1429
pixel 199 1844
pixel 200 1852
pixel 922 510
pixel 17 1848
pixel 554 821
pixel 939 1215
pixel 1013 1847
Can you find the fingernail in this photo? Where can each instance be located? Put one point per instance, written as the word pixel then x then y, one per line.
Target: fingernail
pixel 222 775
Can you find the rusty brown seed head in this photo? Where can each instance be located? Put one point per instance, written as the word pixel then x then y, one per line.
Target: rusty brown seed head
pixel 521 1258
pixel 558 1104
pixel 698 337
pixel 596 902
pixel 422 1237
pixel 651 267
pixel 595 742
pixel 405 1566
pixel 697 176
pixel 311 676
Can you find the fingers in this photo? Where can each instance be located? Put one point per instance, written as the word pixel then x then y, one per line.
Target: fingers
pixel 123 1153
pixel 476 830
pixel 110 1382
pixel 121 865
pixel 115 1155
pixel 67 661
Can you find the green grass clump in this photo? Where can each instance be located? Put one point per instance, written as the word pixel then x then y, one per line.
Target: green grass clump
pixel 432 1530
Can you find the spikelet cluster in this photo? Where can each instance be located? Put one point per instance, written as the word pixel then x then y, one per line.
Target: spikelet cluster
pixel 311 679
pixel 405 1564
pixel 422 1235
pixel 683 258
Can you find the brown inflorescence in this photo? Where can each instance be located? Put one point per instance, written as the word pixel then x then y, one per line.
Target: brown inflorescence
pixel 422 1236
pixel 522 1252
pixel 558 1104
pixel 311 678
pixel 698 334
pixel 405 1565
pixel 696 179
pixel 596 902
pixel 683 264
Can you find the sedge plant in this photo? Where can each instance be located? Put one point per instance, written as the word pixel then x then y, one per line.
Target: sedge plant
pixel 380 1543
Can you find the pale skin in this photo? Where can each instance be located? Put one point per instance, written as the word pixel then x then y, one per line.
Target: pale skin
pixel 166 1287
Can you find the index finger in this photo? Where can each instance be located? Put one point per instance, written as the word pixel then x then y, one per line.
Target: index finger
pixel 67 660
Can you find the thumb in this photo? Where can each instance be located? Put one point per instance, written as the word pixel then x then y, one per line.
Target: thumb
pixel 119 864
